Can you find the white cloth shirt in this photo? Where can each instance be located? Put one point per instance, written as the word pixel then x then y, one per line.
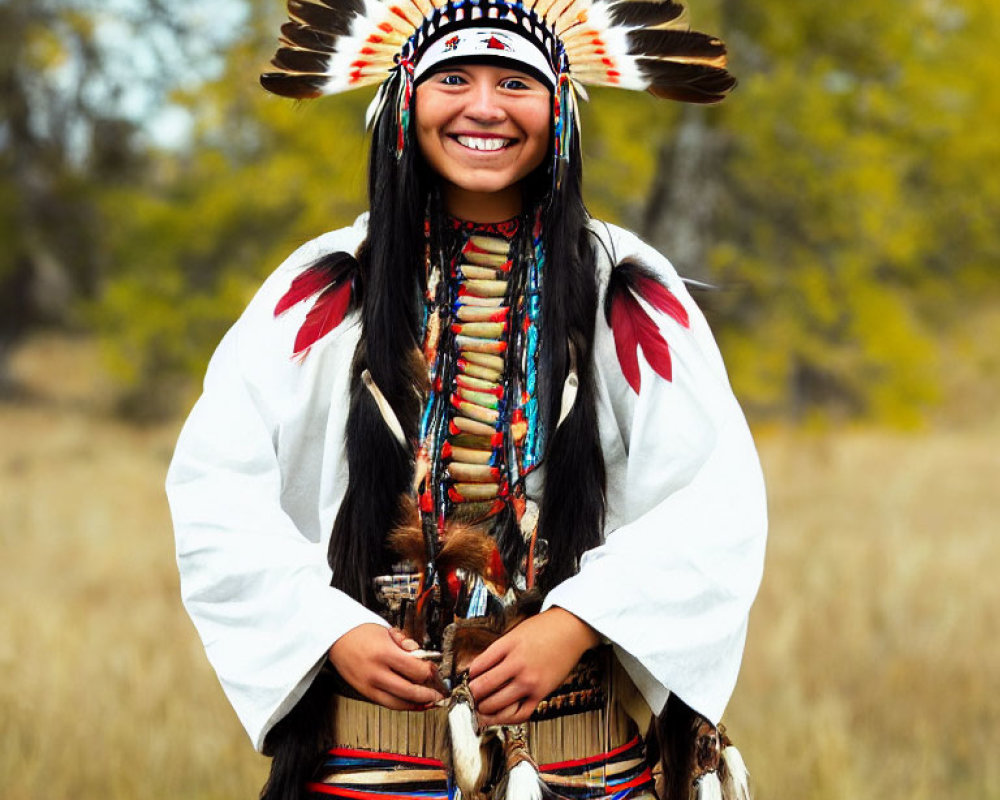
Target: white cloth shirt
pixel 260 471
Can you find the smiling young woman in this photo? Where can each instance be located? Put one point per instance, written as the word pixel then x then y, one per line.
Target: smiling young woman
pixel 482 129
pixel 444 532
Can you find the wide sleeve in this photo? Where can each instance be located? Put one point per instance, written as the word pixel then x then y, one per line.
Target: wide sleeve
pixel 672 584
pixel 244 499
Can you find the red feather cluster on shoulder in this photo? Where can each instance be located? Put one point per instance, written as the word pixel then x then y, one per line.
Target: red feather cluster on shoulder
pixel 332 279
pixel 633 327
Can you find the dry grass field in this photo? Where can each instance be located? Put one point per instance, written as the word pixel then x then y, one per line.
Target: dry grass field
pixel 872 669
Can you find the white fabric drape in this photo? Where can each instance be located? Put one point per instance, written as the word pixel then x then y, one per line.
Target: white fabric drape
pixel 260 470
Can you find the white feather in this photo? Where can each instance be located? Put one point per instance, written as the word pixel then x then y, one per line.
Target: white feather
pixel 413 13
pixel 375 106
pixel 736 784
pixel 466 755
pixel 529 519
pixel 570 386
pixel 523 783
pixel 707 787
pixel 388 415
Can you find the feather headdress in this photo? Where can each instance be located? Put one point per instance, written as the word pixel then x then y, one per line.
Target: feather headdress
pixel 331 46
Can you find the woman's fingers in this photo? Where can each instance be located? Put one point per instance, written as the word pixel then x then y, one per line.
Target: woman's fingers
pixel 388 700
pixel 511 694
pixel 489 658
pixel 498 674
pixel 403 640
pixel 513 714
pixel 370 659
pixel 406 691
pixel 413 668
pixel 507 679
pixel 527 663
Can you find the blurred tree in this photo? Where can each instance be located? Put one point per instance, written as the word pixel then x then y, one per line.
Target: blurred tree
pixel 830 197
pixel 64 137
pixel 840 198
pixel 260 176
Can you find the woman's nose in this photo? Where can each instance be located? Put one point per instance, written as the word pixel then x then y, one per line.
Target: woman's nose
pixel 484 105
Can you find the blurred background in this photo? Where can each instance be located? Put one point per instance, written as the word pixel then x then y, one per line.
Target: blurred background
pixel 844 201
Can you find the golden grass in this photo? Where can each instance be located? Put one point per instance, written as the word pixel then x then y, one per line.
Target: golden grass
pixel 104 688
pixel 871 670
pixel 874 654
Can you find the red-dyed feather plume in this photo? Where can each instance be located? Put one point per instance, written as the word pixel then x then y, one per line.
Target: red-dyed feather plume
pixel 332 278
pixel 633 327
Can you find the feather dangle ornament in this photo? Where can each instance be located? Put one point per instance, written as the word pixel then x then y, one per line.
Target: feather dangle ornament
pixel 566 121
pixel 733 770
pixel 632 325
pixel 471 754
pixel 330 279
pixel 405 102
pixel 521 780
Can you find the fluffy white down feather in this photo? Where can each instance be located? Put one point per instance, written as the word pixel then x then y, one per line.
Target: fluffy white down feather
pixel 707 787
pixel 466 755
pixel 736 784
pixel 523 783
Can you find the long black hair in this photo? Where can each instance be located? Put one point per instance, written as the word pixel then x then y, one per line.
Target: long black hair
pixel 392 273
pixel 401 190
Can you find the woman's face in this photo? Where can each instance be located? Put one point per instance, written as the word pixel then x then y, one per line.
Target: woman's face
pixel 483 129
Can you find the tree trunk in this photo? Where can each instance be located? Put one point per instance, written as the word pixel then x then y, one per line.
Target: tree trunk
pixel 678 214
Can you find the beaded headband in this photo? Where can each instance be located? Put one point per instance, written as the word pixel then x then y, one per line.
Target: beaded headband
pixel 487 44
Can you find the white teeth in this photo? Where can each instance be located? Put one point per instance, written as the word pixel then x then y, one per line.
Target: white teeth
pixel 479 143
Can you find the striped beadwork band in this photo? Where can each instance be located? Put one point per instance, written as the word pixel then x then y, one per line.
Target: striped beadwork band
pixel 619 774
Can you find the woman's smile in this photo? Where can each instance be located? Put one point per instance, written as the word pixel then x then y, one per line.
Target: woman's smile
pixel 483 129
pixel 482 143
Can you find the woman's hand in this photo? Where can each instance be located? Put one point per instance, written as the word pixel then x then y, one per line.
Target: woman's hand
pixel 376 662
pixel 511 676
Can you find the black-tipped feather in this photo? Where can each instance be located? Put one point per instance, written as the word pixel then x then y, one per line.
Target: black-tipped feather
pixel 335 21
pixel 692 83
pixel 355 7
pixel 307 38
pixel 637 13
pixel 305 61
pixel 298 87
pixel 677 44
pixel 685 94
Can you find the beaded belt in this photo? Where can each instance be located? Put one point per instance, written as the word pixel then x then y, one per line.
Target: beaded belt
pixel 619 774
